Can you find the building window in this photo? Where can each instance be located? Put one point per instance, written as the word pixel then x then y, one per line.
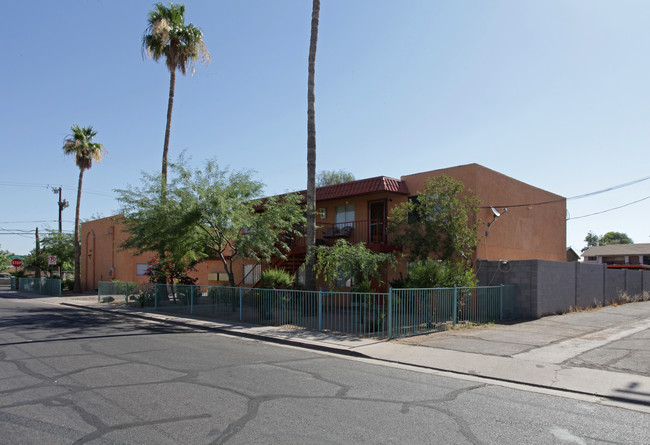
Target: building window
pixel 592 258
pixel 141 269
pixel 345 216
pixel 252 274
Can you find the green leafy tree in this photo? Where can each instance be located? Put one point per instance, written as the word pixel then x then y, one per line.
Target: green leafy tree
pixel 350 260
pixel 167 36
pixel 331 177
pixel 160 224
pixel 593 240
pixel 235 222
pixel 440 221
pixel 36 261
pixel 310 236
pixel 80 145
pixel 615 238
pixel 61 245
pixel 5 260
pixel 209 213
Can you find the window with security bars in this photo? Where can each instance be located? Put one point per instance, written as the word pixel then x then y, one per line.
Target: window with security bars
pixel 252 274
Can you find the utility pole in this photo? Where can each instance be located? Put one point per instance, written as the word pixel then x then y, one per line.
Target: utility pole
pixel 37 272
pixel 62 205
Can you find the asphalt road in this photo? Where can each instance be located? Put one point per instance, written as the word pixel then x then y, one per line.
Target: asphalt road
pixel 75 376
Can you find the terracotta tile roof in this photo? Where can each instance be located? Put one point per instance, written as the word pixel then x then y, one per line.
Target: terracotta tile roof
pixel 361 187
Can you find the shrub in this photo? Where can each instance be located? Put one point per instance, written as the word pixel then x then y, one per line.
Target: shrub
pixel 435 273
pixel 363 287
pixel 277 279
pixel 68 283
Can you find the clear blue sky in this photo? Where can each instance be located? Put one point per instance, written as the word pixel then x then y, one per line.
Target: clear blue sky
pixel 553 93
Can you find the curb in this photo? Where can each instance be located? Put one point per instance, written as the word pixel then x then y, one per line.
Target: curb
pixel 351 353
pixel 219 330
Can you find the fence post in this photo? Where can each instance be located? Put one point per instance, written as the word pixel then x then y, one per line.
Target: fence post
pixel 191 299
pixel 455 307
pixel 241 303
pixel 155 296
pixel 126 295
pixel 501 302
pixel 390 312
pixel 320 311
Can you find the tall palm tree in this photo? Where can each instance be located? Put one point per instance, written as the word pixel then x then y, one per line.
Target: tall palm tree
pixel 181 45
pixel 310 279
pixel 80 144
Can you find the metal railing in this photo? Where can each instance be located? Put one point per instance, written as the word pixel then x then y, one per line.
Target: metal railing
pixel 371 232
pixel 398 313
pixel 41 286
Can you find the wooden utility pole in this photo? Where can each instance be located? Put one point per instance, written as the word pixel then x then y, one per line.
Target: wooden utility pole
pixel 37 269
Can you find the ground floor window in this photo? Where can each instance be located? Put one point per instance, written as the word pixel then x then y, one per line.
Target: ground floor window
pixel 252 274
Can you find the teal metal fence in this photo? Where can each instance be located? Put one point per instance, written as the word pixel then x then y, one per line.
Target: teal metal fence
pixel 14 283
pixel 40 286
pixel 398 313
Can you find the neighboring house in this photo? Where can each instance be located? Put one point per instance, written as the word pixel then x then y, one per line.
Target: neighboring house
pixel 571 255
pixel 533 227
pixel 619 254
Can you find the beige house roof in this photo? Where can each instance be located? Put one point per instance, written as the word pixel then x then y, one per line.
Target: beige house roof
pixel 618 249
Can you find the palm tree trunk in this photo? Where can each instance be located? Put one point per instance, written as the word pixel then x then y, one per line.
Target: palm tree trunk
pixel 310 241
pixel 170 106
pixel 77 245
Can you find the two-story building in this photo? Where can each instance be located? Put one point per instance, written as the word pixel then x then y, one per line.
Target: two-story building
pixel 519 222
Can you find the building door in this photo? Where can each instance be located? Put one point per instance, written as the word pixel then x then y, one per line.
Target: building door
pixel 377 223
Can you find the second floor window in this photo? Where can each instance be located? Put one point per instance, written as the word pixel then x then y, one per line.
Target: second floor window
pixel 345 215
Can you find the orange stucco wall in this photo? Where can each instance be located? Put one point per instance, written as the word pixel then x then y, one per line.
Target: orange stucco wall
pixel 104 260
pixel 528 230
pixel 531 231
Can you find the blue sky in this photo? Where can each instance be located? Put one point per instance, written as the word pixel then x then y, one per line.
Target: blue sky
pixel 552 93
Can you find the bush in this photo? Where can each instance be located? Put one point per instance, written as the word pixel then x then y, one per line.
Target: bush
pixel 277 279
pixel 434 273
pixel 363 287
pixel 68 283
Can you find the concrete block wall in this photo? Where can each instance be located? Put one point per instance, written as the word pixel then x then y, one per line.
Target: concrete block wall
pixel 614 285
pixel 633 282
pixel 556 288
pixel 590 282
pixel 550 287
pixel 521 273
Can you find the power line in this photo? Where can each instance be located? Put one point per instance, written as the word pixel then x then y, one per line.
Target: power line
pixel 609 210
pixel 586 195
pixel 66 187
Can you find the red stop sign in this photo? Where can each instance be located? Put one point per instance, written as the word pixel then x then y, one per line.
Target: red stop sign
pixel 16 262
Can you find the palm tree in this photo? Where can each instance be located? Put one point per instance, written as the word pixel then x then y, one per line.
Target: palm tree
pixel 310 279
pixel 181 45
pixel 80 144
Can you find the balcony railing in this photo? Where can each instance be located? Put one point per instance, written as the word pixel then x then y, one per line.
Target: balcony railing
pixel 372 232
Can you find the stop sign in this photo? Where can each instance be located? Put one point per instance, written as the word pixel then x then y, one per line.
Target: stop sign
pixel 16 262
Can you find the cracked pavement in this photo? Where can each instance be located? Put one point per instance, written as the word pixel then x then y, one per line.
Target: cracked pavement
pixel 73 376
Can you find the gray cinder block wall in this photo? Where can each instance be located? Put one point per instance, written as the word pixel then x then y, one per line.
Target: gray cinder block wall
pixel 551 287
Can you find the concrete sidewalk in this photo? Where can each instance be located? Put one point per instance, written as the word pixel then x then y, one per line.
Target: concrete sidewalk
pixel 603 353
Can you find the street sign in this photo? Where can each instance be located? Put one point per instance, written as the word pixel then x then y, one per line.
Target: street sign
pixel 16 262
pixel 51 260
